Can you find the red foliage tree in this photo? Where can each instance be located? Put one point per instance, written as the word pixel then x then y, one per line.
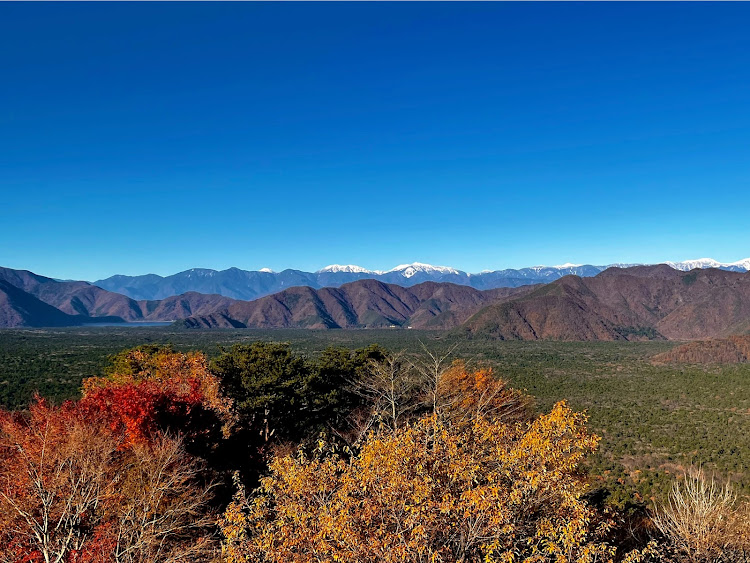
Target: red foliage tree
pixel 58 475
pixel 159 389
pixel 74 491
pixel 100 480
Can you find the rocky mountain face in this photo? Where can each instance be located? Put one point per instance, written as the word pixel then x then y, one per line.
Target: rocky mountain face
pixel 249 285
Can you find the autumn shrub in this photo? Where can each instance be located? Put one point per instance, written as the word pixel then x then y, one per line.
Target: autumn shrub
pixel 491 491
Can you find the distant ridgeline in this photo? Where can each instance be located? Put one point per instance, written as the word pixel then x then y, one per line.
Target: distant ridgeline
pixel 248 285
pixel 635 303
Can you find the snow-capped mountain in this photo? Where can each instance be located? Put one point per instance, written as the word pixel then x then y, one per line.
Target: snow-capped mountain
pixel 349 269
pixel 406 270
pixel 741 265
pixel 200 272
pixel 702 263
pixel 410 270
pixel 248 285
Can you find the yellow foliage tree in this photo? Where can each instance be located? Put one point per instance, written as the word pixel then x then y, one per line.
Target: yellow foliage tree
pixel 490 491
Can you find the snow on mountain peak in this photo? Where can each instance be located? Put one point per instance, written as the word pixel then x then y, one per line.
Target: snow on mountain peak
pixel 744 263
pixel 349 268
pixel 408 270
pixel 548 272
pixel 687 265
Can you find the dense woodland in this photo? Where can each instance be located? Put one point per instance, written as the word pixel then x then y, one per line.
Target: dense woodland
pixel 266 451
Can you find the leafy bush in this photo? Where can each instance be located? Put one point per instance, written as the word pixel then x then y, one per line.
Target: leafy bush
pixel 471 481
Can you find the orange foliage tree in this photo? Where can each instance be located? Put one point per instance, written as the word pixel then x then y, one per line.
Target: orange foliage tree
pixel 100 480
pixel 465 395
pixel 58 473
pixel 475 480
pixel 72 491
pixel 154 388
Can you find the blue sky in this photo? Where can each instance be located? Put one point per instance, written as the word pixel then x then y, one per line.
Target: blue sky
pixel 150 137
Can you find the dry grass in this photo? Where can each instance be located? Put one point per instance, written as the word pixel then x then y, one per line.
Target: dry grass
pixel 703 522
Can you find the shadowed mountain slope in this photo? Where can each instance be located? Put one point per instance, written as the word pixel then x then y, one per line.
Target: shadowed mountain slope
pixel 74 297
pixel 19 308
pixel 81 299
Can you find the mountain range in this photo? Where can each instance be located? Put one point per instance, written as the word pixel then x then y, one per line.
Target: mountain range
pixel 248 285
pixel 28 299
pixel 362 304
pixel 643 302
pixel 640 302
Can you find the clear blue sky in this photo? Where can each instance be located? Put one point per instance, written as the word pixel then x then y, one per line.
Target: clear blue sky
pixel 149 137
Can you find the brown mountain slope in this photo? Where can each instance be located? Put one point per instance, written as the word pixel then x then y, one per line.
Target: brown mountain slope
pixel 81 299
pixel 182 306
pixel 731 350
pixel 74 297
pixel 632 303
pixel 19 308
pixel 361 304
